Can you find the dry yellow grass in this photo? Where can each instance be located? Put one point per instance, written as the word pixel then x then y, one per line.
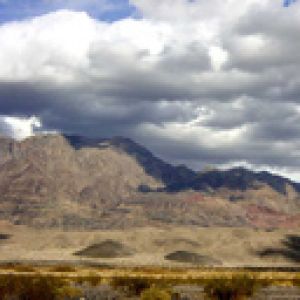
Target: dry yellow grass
pixel 136 280
pixel 155 273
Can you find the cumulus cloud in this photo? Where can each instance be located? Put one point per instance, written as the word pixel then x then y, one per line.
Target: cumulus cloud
pixel 19 127
pixel 206 82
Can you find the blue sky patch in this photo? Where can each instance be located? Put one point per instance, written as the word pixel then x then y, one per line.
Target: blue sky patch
pixel 108 10
pixel 287 3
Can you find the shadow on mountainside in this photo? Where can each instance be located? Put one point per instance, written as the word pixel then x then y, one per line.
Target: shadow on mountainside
pixel 179 178
pixel 290 249
pixel 175 178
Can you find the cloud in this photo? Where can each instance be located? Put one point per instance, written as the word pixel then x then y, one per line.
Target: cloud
pixel 19 127
pixel 206 82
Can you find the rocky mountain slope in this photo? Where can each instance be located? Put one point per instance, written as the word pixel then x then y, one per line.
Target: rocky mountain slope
pixel 76 182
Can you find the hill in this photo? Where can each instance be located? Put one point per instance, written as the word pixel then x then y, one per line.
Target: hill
pixel 76 182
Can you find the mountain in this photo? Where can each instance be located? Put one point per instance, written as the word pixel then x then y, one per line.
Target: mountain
pixel 242 179
pixel 176 178
pixel 75 182
pixel 44 181
pixel 173 177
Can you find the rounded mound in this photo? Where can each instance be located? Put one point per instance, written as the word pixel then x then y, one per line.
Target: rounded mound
pixel 191 257
pixel 105 249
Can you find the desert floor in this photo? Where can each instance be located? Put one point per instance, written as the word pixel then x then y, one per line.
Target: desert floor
pixel 228 247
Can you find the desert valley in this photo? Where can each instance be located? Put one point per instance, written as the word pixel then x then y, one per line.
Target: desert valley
pixel 92 218
pixel 71 198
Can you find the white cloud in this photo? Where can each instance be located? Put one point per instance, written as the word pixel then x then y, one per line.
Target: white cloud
pixel 218 56
pixel 19 127
pixel 53 47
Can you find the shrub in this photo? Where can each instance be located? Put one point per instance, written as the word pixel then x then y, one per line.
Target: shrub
pixel 92 279
pixel 69 292
pixel 239 287
pixel 296 282
pixel 133 286
pixel 154 293
pixel 23 268
pixel 35 288
pixel 63 268
pixel 5 236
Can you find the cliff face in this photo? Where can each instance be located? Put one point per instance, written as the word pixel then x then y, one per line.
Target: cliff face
pixel 76 182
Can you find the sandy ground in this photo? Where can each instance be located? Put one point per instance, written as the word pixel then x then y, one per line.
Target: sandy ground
pixel 232 246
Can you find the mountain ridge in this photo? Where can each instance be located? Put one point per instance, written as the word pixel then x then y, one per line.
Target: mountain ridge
pixel 140 153
pixel 77 182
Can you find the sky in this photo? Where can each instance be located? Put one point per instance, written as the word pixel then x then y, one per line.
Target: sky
pixel 197 82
